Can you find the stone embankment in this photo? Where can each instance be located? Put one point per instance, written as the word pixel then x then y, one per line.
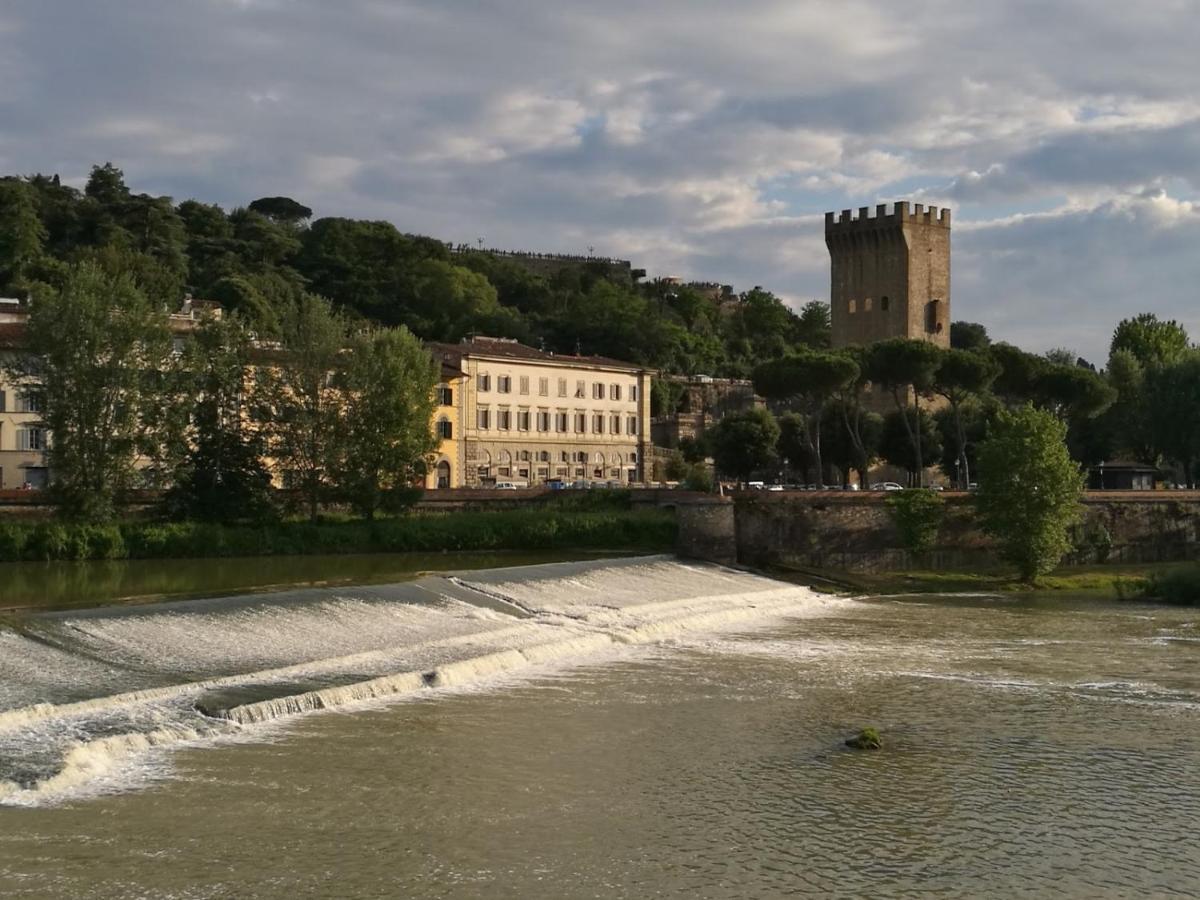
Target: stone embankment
pixel 854 532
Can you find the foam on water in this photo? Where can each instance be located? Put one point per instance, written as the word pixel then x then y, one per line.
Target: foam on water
pixel 333 649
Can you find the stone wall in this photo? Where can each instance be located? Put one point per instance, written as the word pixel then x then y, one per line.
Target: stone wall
pixel 707 529
pixel 855 532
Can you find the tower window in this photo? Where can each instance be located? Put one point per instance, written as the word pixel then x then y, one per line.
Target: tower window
pixel 853 308
pixel 867 305
pixel 883 303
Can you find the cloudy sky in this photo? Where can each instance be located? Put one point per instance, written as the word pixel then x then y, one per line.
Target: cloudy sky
pixel 697 138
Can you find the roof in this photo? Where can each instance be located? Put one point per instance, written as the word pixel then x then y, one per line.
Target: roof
pixel 505 348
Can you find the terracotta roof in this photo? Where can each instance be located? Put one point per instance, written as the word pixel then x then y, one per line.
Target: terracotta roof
pixel 499 348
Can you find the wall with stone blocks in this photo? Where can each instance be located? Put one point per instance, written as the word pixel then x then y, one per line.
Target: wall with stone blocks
pixel 855 532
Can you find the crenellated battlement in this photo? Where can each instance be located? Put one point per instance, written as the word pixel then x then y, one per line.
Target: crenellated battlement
pixel 901 214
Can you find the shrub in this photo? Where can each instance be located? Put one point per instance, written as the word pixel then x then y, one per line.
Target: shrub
pixel 12 542
pixel 47 541
pixel 699 478
pixel 1177 586
pixel 918 516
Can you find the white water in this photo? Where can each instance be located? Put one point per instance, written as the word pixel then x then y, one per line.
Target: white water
pixel 94 693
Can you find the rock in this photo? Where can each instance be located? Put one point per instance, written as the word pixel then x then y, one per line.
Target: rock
pixel 867 739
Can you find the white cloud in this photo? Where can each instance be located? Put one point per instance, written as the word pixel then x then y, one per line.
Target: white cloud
pixel 701 139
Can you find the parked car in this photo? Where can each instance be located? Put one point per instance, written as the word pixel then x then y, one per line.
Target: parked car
pixel 581 485
pixel 887 486
pixel 509 486
pixel 556 484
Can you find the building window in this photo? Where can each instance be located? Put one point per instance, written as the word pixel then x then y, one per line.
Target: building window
pixel 633 457
pixel 631 425
pixel 867 304
pixel 31 439
pixel 543 387
pixel 562 387
pixel 523 420
pixel 853 307
pixel 543 420
pixel 484 382
pixel 504 420
pixel 544 456
pixel 445 395
pixel 28 403
pixel 561 422
pixel 614 425
pixel 580 457
pixel 485 418
pixel 580 423
pixel 3 398
pixel 633 393
pixel 932 325
pixel 445 429
pixel 504 384
pixel 614 391
pixel 580 390
pixel 523 384
pixel 883 303
pixel 564 456
pixel 523 456
pixel 597 391
pixel 598 423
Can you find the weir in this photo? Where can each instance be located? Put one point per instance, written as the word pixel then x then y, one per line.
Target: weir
pixel 281 655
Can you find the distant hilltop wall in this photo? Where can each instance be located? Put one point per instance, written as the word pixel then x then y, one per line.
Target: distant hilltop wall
pixel 620 270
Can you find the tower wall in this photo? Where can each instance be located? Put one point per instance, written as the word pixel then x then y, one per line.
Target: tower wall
pixel 890 274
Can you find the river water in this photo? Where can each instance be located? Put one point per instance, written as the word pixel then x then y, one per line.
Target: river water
pixel 622 728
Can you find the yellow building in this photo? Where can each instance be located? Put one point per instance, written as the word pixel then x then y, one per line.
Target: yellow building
pixel 445 470
pixel 22 439
pixel 527 416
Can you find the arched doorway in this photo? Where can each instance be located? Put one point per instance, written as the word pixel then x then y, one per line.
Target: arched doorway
pixel 443 474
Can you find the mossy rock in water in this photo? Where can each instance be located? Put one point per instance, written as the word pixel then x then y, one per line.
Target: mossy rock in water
pixel 867 739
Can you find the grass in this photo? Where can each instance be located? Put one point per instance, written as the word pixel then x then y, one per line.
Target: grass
pixel 1125 581
pixel 518 529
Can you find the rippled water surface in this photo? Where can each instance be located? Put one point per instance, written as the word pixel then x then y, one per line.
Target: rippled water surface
pixel 1033 748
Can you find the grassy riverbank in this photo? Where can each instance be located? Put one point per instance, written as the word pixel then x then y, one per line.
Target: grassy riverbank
pixel 545 528
pixel 1121 581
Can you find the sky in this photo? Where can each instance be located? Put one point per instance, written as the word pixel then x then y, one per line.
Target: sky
pixel 695 138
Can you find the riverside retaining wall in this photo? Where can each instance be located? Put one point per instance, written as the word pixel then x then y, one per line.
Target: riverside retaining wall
pixel 855 531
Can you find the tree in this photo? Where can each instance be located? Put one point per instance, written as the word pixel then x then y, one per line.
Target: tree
pixel 299 385
pixel 22 234
pixel 1072 392
pixel 897 447
pixel 968 336
pixel 388 387
pixel 963 374
pixel 793 444
pixel 808 380
pixel 1029 489
pixel 1151 340
pixel 851 447
pixel 281 209
pixel 1172 399
pixel 906 368
pixel 744 443
pixel 96 348
pixel 813 326
pixel 220 476
pixel 1019 371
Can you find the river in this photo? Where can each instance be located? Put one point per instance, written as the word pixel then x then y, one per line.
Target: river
pixel 621 728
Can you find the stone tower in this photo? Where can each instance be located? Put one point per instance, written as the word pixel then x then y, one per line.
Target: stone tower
pixel 890 274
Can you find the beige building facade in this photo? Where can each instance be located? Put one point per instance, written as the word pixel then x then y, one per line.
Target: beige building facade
pixel 527 416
